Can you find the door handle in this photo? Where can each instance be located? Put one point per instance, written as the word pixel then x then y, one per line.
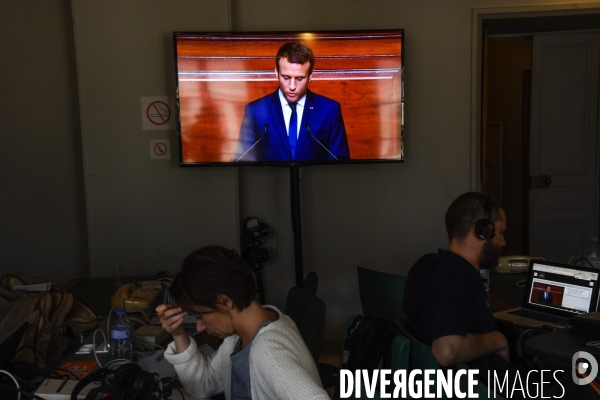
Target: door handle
pixel 539 182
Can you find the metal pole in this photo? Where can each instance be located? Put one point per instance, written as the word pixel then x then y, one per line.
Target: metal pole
pixel 296 224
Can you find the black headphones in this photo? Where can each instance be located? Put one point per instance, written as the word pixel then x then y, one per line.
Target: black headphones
pixel 130 379
pixel 484 228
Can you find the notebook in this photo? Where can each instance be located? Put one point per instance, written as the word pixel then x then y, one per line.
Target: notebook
pixel 553 293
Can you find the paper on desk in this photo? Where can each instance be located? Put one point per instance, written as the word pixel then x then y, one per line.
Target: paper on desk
pixel 165 369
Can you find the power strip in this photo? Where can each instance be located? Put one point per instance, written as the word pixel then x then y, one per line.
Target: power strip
pixel 60 389
pixel 87 348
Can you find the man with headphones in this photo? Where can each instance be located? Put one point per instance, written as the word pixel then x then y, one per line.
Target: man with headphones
pixel 445 301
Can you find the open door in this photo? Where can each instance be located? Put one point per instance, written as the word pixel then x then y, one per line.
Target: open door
pixel 563 198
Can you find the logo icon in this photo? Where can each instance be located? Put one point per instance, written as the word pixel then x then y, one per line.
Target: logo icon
pixel 584 368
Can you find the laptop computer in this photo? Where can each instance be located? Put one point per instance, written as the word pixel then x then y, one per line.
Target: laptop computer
pixel 553 293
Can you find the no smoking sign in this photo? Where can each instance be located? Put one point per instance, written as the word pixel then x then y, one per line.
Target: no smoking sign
pixel 157 113
pixel 160 149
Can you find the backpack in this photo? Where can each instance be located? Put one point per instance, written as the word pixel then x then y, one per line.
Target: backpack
pixel 48 315
pixel 368 344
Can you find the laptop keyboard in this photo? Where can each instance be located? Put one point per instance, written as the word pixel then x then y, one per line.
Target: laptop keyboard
pixel 553 319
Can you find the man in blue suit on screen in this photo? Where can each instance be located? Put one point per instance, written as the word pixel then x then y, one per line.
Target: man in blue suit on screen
pixel 293 123
pixel 545 297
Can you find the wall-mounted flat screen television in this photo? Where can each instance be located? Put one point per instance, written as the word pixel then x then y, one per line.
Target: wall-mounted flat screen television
pixel 290 98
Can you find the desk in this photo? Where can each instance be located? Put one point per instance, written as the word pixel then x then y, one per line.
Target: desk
pixel 556 350
pixel 559 347
pixel 503 288
pixel 96 294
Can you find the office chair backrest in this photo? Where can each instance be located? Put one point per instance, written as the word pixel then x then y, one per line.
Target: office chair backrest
pixel 381 293
pixel 421 356
pixel 308 312
pixel 401 353
pixel 311 281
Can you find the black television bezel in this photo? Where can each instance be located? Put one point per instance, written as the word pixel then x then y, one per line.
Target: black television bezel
pixel 294 163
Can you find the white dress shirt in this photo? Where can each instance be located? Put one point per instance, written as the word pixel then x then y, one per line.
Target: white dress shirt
pixel 287 112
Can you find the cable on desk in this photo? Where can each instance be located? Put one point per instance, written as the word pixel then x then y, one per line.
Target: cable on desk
pixel 584 259
pixel 573 258
pixel 143 312
pixel 520 342
pixel 134 319
pixel 171 380
pixel 37 374
pixel 143 348
pixel 521 283
pixel 14 380
pixel 108 319
pixel 106 345
pixel 45 361
pixel 166 282
pixel 595 343
pixel 21 391
pixel 117 362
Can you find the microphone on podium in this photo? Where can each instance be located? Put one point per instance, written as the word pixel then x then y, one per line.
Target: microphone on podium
pixel 317 140
pixel 265 134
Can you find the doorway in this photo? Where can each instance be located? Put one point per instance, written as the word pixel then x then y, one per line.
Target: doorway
pixel 506 155
pixel 504 125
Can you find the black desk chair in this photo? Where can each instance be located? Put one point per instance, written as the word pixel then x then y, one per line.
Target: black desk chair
pixel 381 293
pixel 308 312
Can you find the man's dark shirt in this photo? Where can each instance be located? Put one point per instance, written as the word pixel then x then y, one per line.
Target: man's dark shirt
pixel 444 295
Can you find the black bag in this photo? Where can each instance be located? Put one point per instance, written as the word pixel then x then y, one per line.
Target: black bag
pixel 369 344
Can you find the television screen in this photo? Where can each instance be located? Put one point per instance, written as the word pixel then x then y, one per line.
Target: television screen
pixel 290 98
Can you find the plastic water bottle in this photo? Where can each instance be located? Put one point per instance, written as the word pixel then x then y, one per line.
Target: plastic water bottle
pixel 592 255
pixel 121 337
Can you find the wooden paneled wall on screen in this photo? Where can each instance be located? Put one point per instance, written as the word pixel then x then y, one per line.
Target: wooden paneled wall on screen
pixel 219 73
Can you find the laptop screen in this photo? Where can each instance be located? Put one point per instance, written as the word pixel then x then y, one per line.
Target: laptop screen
pixel 562 287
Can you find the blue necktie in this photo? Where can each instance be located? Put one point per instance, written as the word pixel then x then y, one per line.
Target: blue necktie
pixel 293 130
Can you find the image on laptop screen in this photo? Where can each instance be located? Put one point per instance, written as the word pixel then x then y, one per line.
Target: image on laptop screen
pixel 565 288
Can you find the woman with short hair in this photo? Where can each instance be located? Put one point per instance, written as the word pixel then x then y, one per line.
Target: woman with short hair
pixel 262 356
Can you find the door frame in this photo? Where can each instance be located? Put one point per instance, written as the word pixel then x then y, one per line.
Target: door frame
pixel 480 15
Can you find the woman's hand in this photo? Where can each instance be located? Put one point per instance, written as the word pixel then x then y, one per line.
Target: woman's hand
pixel 171 319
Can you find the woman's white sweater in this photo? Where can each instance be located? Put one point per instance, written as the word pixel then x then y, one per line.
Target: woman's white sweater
pixel 281 366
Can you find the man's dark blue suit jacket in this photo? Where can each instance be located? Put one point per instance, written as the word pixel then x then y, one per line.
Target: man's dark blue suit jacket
pixel 265 117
